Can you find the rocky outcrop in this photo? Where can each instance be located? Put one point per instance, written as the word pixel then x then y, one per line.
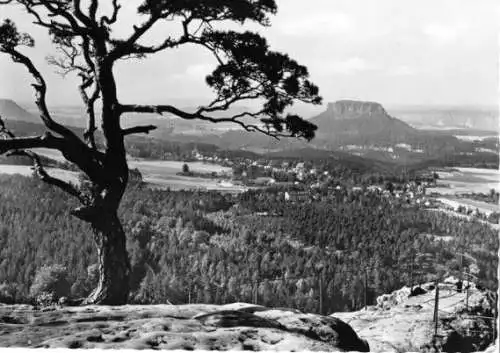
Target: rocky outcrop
pixel 345 109
pixel 360 123
pixel 208 327
pixel 400 322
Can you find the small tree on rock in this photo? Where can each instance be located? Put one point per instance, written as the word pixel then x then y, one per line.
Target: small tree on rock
pixel 89 47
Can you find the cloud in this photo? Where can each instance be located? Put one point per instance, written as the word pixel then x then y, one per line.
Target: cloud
pixel 349 66
pixel 401 70
pixel 442 33
pixel 199 70
pixel 195 72
pixel 319 24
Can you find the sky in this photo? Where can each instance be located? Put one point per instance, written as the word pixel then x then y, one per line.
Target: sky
pixel 396 52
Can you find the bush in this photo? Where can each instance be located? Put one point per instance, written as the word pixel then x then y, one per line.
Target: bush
pixel 80 288
pixel 50 284
pixel 7 293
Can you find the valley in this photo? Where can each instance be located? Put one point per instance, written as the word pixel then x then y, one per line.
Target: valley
pixel 257 191
pixel 250 175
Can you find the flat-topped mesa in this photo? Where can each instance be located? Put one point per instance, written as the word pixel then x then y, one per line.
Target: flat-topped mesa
pixel 350 107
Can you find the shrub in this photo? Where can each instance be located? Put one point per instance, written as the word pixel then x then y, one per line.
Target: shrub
pixel 7 293
pixel 50 284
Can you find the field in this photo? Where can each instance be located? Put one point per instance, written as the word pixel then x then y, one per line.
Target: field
pixel 474 138
pixel 27 171
pixel 157 173
pixel 467 180
pixel 483 207
pixel 164 174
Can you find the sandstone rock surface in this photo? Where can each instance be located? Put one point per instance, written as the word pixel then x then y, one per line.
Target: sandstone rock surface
pixel 237 326
pixel 400 323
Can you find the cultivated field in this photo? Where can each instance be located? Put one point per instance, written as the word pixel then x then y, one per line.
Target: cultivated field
pixel 161 173
pixel 467 180
pixel 28 171
pixel 483 207
pixel 164 174
pixel 474 138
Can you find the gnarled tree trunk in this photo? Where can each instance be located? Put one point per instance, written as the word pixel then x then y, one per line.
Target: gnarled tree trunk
pixel 114 265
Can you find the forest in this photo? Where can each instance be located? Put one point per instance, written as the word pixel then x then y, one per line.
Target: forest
pixel 193 247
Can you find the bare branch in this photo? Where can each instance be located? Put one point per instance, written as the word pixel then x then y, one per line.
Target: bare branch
pixel 87 21
pixel 42 174
pixel 129 46
pixel 146 129
pixel 89 103
pixel 109 21
pixel 16 147
pixel 40 93
pixel 56 9
pixel 160 109
pixel 19 143
pixel 93 9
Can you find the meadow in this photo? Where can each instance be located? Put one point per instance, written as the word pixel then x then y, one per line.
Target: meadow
pixel 458 181
pixel 467 180
pixel 161 174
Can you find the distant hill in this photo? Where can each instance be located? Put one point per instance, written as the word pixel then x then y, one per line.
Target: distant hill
pixel 10 110
pixel 464 118
pixel 361 132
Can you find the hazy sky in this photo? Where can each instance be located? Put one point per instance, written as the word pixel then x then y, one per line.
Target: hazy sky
pixel 392 51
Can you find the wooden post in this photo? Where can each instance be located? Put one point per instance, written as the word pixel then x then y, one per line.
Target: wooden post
pixel 461 267
pixel 256 293
pixel 366 288
pixel 411 276
pixel 321 309
pixel 436 310
pixel 467 290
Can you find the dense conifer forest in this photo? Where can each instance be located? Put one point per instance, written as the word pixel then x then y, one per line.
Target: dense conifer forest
pixel 188 246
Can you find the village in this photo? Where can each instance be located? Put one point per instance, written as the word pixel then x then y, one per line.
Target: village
pixel 300 181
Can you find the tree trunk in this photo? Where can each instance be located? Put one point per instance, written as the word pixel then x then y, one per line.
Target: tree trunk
pixel 114 266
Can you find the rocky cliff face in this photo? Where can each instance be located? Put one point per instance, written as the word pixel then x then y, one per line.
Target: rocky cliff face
pixel 360 123
pixel 236 326
pixel 400 322
pixel 346 109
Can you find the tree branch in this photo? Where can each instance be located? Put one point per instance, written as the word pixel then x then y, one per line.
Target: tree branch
pixel 19 143
pixel 146 129
pixel 93 9
pixel 109 21
pixel 160 109
pixel 40 93
pixel 87 21
pixel 126 47
pixel 17 146
pixel 55 8
pixel 42 174
pixel 89 104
